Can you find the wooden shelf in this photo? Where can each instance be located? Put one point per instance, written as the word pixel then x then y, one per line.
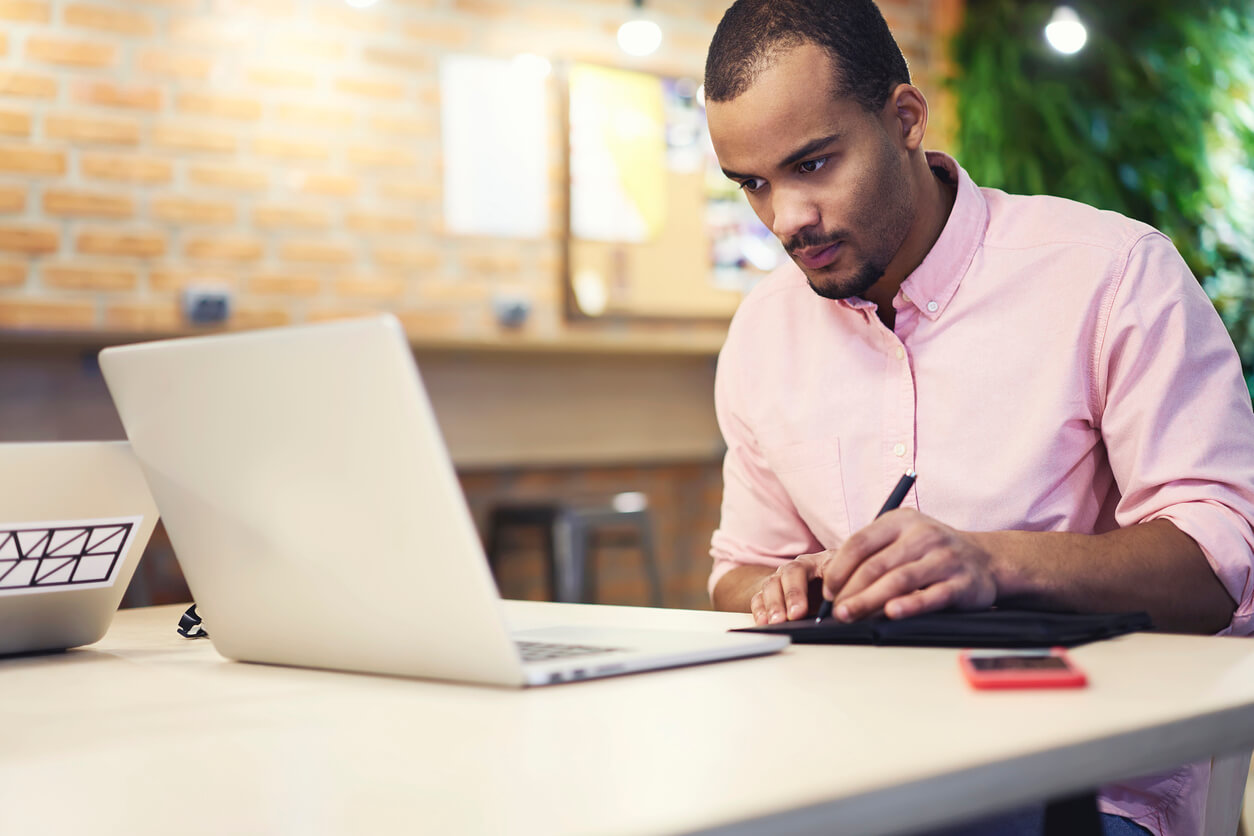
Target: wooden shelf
pixel 702 342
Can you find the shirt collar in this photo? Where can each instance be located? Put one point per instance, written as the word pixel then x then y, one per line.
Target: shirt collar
pixel 934 282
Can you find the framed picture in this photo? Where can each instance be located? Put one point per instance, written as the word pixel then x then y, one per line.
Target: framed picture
pixel 654 228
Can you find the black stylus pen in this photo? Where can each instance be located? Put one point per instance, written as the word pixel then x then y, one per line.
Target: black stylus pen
pixel 893 501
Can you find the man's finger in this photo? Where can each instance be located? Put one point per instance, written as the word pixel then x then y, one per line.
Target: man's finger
pixel 938 596
pixel 903 580
pixel 795 581
pixel 757 608
pixel 773 600
pixel 862 544
pixel 897 553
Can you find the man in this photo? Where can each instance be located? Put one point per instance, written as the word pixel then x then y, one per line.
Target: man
pixel 1069 397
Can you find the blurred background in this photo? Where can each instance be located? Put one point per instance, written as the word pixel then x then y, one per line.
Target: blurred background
pixel 529 187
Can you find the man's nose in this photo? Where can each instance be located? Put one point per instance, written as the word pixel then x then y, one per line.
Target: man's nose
pixel 793 211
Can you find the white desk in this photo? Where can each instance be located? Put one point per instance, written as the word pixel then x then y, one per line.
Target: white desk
pixel 150 733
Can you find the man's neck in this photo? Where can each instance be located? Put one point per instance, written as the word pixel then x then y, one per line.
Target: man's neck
pixel 935 201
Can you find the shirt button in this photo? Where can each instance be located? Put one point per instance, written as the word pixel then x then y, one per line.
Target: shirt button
pixel 901 353
pixel 904 297
pixel 899 450
pixel 932 307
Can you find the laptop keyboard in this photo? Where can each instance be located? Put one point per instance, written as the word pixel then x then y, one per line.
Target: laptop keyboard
pixel 544 651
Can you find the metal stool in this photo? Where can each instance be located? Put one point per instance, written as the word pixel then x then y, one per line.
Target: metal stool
pixel 570 532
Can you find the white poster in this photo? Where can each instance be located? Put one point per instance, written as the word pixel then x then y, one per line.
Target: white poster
pixel 618 155
pixel 494 125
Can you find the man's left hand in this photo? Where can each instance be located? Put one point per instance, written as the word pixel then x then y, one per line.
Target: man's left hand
pixel 905 563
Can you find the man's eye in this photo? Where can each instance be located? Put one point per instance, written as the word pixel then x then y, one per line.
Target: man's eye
pixel 811 166
pixel 751 185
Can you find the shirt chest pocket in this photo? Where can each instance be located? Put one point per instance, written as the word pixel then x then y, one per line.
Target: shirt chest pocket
pixel 810 474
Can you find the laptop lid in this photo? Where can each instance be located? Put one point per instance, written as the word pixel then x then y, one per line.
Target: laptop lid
pixel 313 506
pixel 74 520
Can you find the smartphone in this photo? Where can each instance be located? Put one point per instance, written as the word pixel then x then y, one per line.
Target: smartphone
pixel 1044 668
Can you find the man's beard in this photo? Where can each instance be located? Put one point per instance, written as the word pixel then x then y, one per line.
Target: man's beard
pixel 862 281
pixel 884 223
pixel 829 284
pixel 867 274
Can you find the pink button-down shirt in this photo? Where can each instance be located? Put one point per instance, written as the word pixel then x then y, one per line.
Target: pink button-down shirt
pixel 1052 368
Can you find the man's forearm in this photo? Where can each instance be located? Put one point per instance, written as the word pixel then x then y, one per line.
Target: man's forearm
pixel 733 590
pixel 1153 567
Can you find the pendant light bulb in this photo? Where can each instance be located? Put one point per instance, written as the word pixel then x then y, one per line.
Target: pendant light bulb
pixel 639 36
pixel 1065 31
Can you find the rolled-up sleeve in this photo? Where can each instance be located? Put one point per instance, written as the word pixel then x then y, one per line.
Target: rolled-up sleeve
pixel 760 524
pixel 1176 415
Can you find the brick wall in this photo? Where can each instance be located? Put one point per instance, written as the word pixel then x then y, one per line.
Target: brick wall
pixel 288 149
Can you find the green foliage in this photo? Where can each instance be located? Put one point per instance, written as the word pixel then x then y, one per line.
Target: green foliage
pixel 1154 118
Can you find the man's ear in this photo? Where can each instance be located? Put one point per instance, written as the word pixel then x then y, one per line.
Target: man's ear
pixel 905 115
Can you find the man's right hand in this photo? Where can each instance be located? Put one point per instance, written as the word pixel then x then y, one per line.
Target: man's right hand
pixel 788 593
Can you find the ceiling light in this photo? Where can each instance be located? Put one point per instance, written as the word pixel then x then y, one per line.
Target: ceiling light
pixel 1065 31
pixel 639 36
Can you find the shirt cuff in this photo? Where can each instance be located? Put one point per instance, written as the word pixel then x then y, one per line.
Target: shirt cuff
pixel 1224 538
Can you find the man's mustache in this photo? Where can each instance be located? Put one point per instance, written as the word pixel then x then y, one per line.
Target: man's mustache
pixel 805 242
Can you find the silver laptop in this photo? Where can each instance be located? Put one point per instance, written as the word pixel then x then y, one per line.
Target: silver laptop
pixel 74 520
pixel 318 520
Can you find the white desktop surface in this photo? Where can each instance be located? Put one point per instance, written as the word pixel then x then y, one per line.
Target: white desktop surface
pixel 150 733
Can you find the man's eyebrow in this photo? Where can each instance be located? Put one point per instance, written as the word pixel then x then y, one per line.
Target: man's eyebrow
pixel 810 148
pixel 795 157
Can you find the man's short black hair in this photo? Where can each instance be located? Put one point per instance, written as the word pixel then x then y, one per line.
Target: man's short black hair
pixel 753 33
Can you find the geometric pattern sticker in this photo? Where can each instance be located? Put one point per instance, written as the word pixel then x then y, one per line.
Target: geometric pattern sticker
pixel 74 554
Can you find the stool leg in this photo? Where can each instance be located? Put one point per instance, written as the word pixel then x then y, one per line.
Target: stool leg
pixel 647 556
pixel 495 525
pixel 581 574
pixel 551 558
pixel 589 544
pixel 567 571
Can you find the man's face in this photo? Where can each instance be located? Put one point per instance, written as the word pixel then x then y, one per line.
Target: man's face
pixel 827 177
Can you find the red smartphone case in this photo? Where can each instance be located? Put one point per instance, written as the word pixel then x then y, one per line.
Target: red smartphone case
pixel 1068 676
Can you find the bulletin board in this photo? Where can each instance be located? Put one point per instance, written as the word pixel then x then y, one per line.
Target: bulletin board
pixel 654 228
